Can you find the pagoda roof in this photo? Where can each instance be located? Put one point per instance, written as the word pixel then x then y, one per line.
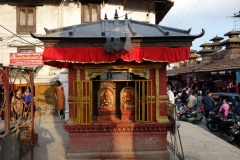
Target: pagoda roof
pixel 100 30
pixel 206 51
pixel 184 70
pixel 217 38
pixel 206 44
pixel 231 40
pixel 106 40
pixel 220 65
pixel 214 65
pixel 229 34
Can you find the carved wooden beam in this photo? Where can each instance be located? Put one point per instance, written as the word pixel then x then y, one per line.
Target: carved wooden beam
pixel 150 7
pixel 124 2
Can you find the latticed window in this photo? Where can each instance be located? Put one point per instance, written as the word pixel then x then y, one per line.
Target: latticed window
pixel 29 49
pixel 90 12
pixel 26 20
pixel 83 100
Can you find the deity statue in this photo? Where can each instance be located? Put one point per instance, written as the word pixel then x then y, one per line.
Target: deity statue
pixel 128 100
pixel 106 99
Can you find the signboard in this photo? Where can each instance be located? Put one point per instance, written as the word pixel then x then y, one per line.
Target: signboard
pixel 171 113
pixel 26 59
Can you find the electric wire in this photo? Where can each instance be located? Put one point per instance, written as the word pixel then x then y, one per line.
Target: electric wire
pixel 20 37
pixel 188 12
pixel 40 42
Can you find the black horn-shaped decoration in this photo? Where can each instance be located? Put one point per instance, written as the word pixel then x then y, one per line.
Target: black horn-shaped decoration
pixel 116 14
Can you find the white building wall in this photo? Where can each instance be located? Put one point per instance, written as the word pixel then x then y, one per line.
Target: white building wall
pixel 49 17
pixel 52 17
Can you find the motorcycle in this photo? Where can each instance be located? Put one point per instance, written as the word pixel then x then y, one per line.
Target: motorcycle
pixel 234 137
pixel 218 124
pixel 192 115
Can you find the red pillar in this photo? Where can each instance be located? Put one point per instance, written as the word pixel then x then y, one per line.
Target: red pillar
pixel 71 78
pixel 163 91
pixel 7 100
pixel 153 78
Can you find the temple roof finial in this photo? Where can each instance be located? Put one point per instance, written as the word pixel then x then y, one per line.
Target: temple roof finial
pixel 105 16
pixel 126 16
pixel 116 14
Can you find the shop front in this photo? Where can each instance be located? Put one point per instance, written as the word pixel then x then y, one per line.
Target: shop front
pixel 117 85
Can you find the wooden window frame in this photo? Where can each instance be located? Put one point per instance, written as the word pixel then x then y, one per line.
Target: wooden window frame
pixel 26 48
pixel 90 8
pixel 25 29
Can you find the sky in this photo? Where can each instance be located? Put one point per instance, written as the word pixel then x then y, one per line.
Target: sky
pixel 211 15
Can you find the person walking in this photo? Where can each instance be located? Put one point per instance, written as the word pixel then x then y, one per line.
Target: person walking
pixel 208 103
pixel 170 94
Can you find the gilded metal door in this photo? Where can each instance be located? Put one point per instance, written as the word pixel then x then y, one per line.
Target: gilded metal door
pixel 143 100
pixel 46 99
pixel 82 91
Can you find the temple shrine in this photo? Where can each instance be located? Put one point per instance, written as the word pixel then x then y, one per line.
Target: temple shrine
pixel 117 85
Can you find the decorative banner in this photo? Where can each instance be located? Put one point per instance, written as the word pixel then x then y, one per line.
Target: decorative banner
pixel 26 59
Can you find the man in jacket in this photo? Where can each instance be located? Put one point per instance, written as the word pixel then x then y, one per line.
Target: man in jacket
pixel 208 103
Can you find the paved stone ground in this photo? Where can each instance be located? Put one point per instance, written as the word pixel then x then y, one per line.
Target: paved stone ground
pixel 52 139
pixel 198 143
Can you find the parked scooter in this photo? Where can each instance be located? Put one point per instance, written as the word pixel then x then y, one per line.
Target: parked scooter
pixel 234 137
pixel 192 115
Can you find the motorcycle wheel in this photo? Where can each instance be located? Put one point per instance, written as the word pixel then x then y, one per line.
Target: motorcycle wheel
pixel 212 126
pixel 198 121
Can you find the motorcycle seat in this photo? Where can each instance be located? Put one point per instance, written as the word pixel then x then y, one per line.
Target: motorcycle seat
pixel 228 120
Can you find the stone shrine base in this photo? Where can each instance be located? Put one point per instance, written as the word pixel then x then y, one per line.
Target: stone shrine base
pixel 125 140
pixel 162 155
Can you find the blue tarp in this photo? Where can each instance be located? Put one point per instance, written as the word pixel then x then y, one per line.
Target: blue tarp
pixel 237 77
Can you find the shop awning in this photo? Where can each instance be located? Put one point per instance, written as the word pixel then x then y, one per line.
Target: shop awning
pixel 62 56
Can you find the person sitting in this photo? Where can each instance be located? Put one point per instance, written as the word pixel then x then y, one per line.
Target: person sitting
pixel 224 109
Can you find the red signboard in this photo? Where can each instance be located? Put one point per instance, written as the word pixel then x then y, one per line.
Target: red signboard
pixel 26 59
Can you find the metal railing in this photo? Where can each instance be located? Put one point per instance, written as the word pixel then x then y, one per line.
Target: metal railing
pixel 82 92
pixel 175 145
pixel 143 100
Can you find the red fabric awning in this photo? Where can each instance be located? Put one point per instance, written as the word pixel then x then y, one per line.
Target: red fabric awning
pixel 62 56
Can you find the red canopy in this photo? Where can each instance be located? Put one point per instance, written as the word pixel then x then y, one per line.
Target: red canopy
pixel 62 56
